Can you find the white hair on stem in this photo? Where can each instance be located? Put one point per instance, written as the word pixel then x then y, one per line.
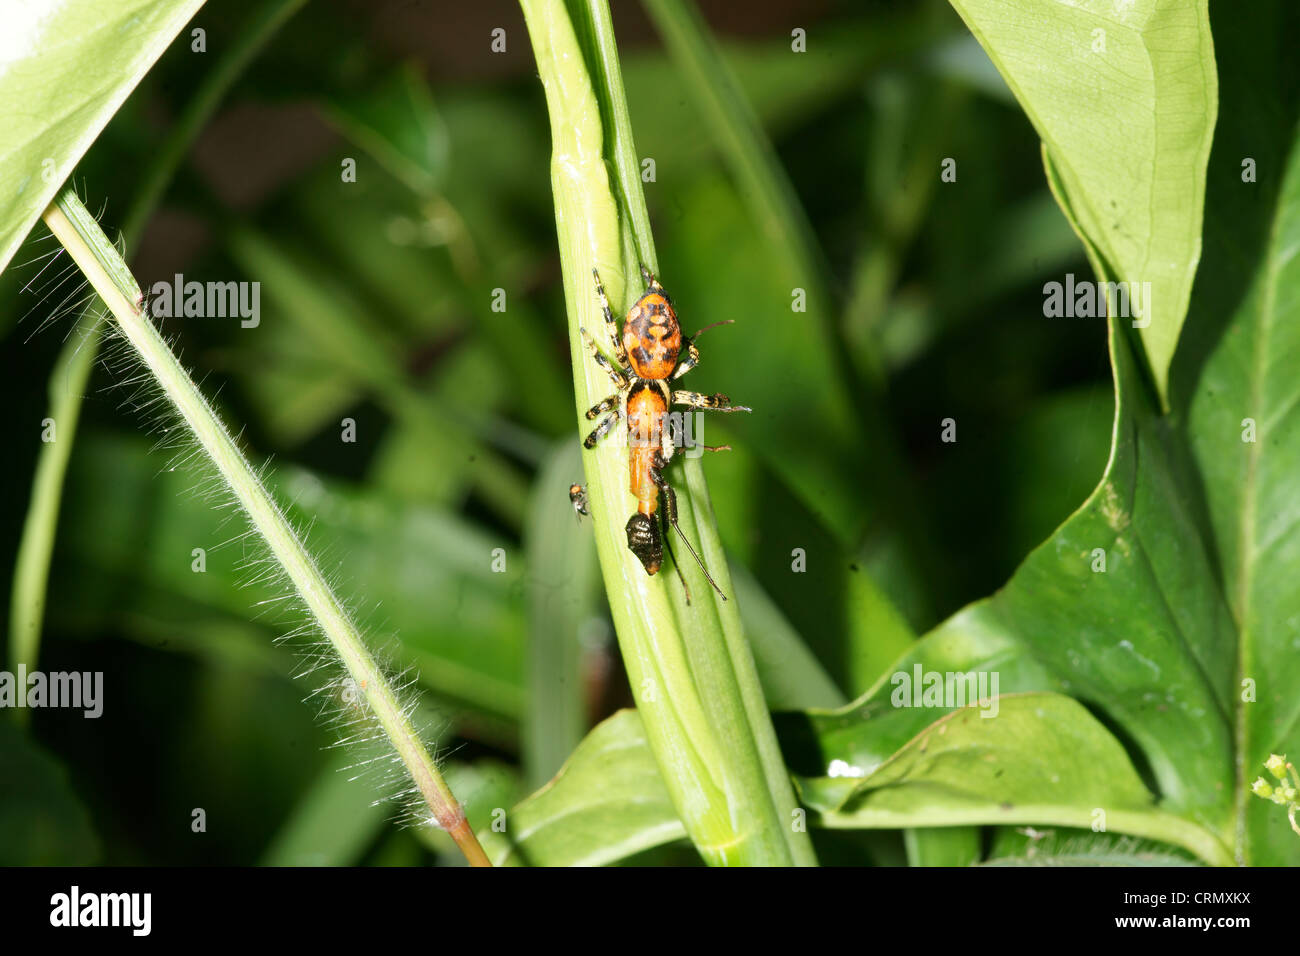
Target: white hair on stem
pixel 370 708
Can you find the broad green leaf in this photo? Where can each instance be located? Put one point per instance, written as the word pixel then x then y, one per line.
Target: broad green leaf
pixel 999 756
pixel 1124 97
pixel 65 68
pixel 1032 758
pixel 1148 640
pixel 607 803
pixel 42 822
pixel 1042 758
pixel 1185 641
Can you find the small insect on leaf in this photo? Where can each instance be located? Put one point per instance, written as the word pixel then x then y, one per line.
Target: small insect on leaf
pixel 578 498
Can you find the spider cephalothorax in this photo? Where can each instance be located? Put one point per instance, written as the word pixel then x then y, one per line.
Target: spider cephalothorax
pixel 649 354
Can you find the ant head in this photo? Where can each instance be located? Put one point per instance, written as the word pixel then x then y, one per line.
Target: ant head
pixel 643 540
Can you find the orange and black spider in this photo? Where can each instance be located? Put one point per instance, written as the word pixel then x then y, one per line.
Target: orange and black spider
pixel 648 353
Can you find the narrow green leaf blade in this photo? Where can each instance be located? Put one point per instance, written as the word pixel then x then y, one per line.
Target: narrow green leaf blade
pixel 562 587
pixel 1238 390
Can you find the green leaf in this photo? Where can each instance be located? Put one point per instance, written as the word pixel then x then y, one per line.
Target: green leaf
pixel 1237 371
pixel 1032 758
pixel 562 588
pixel 942 846
pixel 42 822
pixel 1002 755
pixel 65 68
pixel 1148 641
pixel 1185 643
pixel 1066 846
pixel 607 803
pixel 332 824
pixel 1124 98
pixel 1042 758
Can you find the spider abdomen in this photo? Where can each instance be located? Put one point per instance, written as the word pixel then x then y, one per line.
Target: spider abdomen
pixel 652 337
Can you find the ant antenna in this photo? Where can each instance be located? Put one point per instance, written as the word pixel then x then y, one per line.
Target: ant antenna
pixel 711 325
pixel 703 570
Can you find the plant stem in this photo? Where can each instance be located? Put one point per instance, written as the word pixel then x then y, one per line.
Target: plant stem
pixel 100 261
pixel 689 665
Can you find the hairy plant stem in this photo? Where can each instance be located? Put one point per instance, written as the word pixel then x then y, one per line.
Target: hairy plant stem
pixel 101 263
pixel 76 361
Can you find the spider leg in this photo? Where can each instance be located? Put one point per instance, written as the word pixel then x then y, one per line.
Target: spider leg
pixel 692 359
pixel 616 375
pixel 717 403
pixel 611 326
pixel 604 405
pixel 602 428
pixel 692 353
